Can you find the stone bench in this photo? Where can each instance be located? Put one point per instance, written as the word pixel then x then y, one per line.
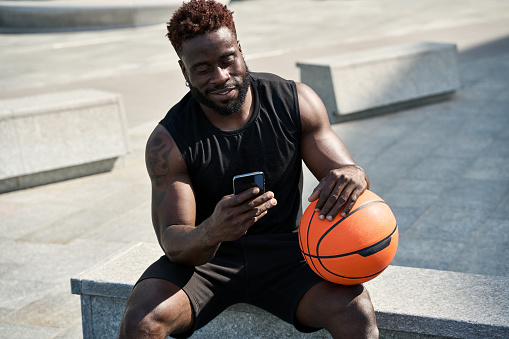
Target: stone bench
pixel 379 80
pixel 58 136
pixel 409 303
pixel 34 16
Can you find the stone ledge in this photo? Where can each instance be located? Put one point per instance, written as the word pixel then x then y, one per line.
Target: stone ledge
pixel 409 303
pixel 58 136
pixel 28 16
pixel 381 80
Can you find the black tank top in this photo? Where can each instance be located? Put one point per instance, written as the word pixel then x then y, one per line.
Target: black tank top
pixel 268 142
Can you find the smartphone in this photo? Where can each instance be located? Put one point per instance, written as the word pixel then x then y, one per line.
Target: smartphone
pixel 243 182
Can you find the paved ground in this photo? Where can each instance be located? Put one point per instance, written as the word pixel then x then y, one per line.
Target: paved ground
pixel 443 168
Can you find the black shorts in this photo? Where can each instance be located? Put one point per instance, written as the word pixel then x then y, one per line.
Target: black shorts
pixel 267 271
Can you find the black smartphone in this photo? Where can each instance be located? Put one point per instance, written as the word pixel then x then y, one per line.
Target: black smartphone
pixel 243 182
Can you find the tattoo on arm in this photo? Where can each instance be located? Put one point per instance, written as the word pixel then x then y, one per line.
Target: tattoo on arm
pixel 158 150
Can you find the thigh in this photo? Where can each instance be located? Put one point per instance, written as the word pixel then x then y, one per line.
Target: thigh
pixel 210 288
pixel 278 275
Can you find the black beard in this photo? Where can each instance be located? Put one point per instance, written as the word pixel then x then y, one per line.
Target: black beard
pixel 231 107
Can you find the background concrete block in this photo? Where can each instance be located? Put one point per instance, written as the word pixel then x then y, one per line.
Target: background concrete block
pixel 84 14
pixel 81 131
pixel 382 79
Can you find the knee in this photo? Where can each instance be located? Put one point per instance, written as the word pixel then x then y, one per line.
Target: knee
pixel 357 315
pixel 139 324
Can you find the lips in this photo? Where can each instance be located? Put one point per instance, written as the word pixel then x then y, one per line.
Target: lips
pixel 224 93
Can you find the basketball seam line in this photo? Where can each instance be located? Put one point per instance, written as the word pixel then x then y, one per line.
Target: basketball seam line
pixel 350 253
pixel 341 220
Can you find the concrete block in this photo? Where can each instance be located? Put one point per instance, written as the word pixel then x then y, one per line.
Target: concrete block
pixel 409 302
pixel 382 79
pixel 29 16
pixel 58 136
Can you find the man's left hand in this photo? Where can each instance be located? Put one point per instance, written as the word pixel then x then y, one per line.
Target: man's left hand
pixel 339 191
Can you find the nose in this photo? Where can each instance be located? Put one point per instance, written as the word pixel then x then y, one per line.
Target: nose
pixel 221 75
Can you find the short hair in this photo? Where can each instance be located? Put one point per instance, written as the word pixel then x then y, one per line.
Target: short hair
pixel 195 18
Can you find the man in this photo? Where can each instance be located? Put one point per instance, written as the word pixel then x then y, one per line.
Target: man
pixel 220 248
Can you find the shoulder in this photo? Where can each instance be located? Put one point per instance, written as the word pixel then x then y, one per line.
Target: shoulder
pixel 162 155
pixel 312 110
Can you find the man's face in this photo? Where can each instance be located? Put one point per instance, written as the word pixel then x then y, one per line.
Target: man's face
pixel 217 73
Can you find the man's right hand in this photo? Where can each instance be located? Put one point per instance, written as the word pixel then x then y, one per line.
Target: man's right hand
pixel 235 214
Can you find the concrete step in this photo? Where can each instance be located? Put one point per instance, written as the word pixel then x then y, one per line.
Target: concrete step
pixel 60 15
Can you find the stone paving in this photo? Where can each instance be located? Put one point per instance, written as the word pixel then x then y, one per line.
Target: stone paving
pixel 443 168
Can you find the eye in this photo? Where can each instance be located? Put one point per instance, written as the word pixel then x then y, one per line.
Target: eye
pixel 202 70
pixel 229 60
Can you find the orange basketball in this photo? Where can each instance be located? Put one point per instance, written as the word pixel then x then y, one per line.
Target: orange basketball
pixel 353 249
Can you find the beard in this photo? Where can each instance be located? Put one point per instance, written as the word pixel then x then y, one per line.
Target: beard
pixel 230 107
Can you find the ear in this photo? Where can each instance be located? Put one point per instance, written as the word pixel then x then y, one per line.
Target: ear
pixel 183 69
pixel 240 47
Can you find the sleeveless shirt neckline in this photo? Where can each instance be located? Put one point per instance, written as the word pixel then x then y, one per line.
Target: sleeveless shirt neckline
pixel 252 118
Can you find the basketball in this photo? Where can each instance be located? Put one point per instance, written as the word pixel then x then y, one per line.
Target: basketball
pixel 353 249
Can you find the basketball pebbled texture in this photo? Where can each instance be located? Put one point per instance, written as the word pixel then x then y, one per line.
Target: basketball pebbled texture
pixel 353 249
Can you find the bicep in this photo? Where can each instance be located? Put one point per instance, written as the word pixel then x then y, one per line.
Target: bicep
pixel 173 200
pixel 322 150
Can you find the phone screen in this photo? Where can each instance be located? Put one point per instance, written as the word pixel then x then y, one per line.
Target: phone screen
pixel 245 181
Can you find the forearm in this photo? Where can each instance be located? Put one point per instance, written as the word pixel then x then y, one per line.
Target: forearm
pixel 189 245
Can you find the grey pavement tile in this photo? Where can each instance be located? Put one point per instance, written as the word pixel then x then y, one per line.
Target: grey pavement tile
pixel 402 154
pixel 21 252
pixel 382 178
pixel 74 331
pixel 17 293
pixel 439 168
pixel 474 193
pixel 504 134
pixel 488 168
pixel 484 91
pixel 474 71
pixel 406 217
pixel 428 134
pixel 427 253
pixel 448 223
pixel 129 227
pixel 27 210
pixel 488 124
pixel 498 148
pixel 453 115
pixel 397 124
pixel 422 186
pixel 417 200
pixel 501 211
pixel 4 311
pixel 93 215
pixel 59 266
pixel 463 146
pixel 487 252
pixel 407 120
pixel 370 149
pixel 503 94
pixel 57 308
pixel 5 268
pixel 12 331
pixel 28 217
